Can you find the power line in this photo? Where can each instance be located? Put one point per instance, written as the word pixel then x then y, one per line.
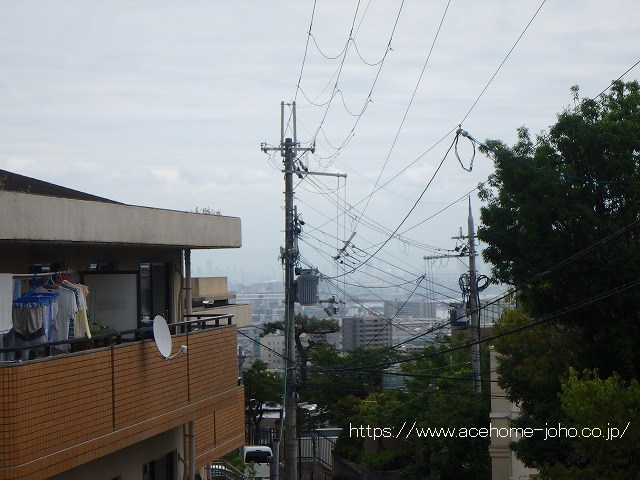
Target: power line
pixel 619 78
pixel 339 72
pixel 567 176
pixel 368 97
pixel 409 213
pixel 394 315
pixel 535 278
pixel 375 313
pixel 369 223
pixel 379 278
pixel 543 319
pixel 499 155
pixel 502 63
pixel 306 49
pixel 262 345
pixel 469 110
pixel 406 112
pixel 304 58
pixel 432 290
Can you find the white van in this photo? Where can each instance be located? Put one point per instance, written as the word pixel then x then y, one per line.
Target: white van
pixel 261 458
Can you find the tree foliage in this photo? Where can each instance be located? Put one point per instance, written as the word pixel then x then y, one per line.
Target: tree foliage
pixel 262 388
pixel 577 186
pixel 438 393
pixel 610 410
pixel 441 395
pixel 337 383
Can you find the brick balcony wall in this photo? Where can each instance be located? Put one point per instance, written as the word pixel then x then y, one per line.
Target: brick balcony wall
pixel 60 412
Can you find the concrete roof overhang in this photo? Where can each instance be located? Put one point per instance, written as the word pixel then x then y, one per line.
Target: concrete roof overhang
pixel 34 218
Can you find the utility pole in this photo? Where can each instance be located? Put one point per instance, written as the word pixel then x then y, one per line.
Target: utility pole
pixel 290 257
pixel 473 309
pixel 473 305
pixel 289 149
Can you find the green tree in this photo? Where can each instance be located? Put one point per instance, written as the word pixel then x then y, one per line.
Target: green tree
pixel 337 383
pixel 441 395
pixel 577 185
pixel 610 408
pixel 532 364
pixel 262 388
pixel 308 327
pixel 438 393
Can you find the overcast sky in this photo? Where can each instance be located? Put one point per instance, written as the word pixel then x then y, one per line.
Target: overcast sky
pixel 165 104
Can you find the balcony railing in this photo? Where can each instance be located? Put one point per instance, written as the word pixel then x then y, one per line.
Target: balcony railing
pixel 47 349
pixel 61 411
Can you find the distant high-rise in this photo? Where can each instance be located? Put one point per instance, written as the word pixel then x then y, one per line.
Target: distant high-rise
pixel 272 350
pixel 413 308
pixel 365 332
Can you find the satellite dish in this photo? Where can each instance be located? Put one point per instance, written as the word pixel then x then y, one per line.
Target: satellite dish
pixel 162 336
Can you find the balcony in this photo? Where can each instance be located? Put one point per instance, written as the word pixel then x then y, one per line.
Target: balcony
pixel 62 411
pixel 211 297
pixel 241 313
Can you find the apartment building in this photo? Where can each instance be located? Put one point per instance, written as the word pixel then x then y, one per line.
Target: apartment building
pixel 272 350
pixel 110 406
pixel 411 308
pixel 504 463
pixel 365 332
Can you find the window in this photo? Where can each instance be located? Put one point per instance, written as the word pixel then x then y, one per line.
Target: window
pixel 154 291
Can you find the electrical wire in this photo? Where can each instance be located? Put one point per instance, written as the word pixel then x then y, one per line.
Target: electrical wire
pixel 558 266
pixel 335 86
pixel 371 224
pixel 502 63
pixel 498 155
pixel 543 319
pixel 619 78
pixel 470 109
pixel 379 278
pixel 406 112
pixel 409 213
pixel 369 95
pixel 306 49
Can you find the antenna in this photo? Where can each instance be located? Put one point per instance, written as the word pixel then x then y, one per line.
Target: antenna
pixel 162 337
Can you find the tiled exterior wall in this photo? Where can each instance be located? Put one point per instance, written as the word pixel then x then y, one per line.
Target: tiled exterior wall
pixel 58 413
pixel 220 432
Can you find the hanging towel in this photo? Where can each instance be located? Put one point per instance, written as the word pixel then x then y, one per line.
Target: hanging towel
pixel 6 297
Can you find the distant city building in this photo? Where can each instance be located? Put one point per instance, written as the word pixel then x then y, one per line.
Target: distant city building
pixel 365 331
pixel 415 309
pixel 419 331
pixel 272 350
pixel 491 310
